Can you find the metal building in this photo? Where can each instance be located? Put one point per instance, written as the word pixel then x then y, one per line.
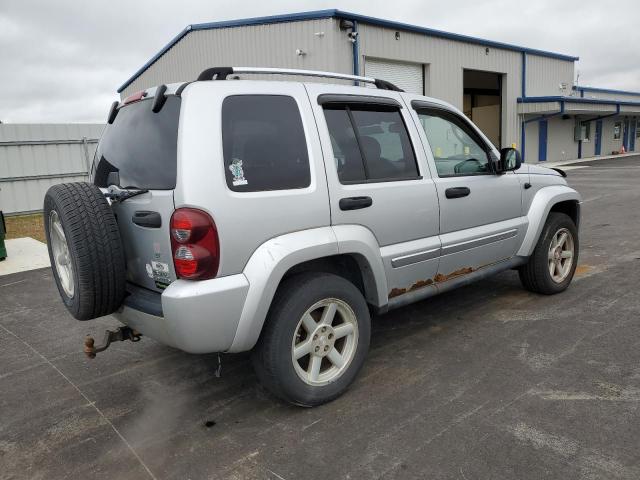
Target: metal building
pixel 517 95
pixel 35 156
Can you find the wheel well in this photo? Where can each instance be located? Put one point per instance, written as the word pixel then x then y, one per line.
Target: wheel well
pixel 346 266
pixel 570 208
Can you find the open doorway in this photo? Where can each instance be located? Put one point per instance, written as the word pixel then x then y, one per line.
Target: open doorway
pixel 482 102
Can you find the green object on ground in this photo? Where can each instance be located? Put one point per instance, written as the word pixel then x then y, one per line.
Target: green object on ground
pixel 3 232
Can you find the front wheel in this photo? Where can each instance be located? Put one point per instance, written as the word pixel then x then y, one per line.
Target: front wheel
pixel 551 266
pixel 315 339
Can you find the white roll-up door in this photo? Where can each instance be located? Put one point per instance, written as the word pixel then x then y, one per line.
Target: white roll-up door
pixel 407 76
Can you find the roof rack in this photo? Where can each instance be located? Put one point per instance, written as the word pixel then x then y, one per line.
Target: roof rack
pixel 221 73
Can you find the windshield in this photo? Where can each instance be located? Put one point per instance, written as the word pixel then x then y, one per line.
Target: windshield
pixel 141 146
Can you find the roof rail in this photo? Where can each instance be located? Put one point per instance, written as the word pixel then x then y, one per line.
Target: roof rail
pixel 221 73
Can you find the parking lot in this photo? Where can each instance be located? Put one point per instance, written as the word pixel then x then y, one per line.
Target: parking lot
pixel 488 381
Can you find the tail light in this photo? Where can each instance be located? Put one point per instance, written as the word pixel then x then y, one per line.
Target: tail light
pixel 195 244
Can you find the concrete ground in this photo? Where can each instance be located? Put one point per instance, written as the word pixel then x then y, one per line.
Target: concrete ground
pixel 24 254
pixel 489 381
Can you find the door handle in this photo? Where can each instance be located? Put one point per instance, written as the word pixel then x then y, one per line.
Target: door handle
pixel 355 203
pixel 147 219
pixel 457 192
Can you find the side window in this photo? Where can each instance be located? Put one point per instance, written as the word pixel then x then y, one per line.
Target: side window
pixel 456 148
pixel 617 130
pixel 370 143
pixel 263 143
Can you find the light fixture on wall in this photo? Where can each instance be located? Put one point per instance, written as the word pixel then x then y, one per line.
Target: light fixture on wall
pixel 350 26
pixel 300 52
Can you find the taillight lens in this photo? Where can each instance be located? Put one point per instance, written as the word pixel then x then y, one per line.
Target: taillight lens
pixel 195 244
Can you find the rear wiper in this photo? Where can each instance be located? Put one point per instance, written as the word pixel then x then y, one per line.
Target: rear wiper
pixel 119 194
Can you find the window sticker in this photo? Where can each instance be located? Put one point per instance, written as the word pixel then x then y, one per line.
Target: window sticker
pixel 237 172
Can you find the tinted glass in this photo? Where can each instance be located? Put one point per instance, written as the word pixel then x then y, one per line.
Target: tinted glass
pixel 141 146
pixel 457 149
pixel 264 143
pixel 370 143
pixel 345 146
pixel 385 143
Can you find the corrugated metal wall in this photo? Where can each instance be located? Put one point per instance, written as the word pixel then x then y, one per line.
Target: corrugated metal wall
pixel 612 96
pixel 274 45
pixel 35 156
pixel 532 142
pixel 545 76
pixel 609 144
pixel 271 45
pixel 447 59
pixel 589 146
pixel 560 143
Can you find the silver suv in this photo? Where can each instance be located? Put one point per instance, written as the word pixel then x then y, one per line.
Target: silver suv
pixel 227 215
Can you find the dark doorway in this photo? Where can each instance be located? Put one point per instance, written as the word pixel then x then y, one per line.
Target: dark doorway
pixel 482 102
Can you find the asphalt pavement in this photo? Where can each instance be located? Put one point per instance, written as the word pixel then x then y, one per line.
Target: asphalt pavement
pixel 488 381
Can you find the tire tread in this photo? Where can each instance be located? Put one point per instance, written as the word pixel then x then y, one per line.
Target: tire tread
pixel 95 245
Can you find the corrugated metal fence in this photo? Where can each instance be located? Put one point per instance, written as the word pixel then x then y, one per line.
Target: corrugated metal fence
pixel 35 156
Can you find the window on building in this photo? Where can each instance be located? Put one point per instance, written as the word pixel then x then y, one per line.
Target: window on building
pixel 583 131
pixel 617 130
pixel 370 143
pixel 637 128
pixel 457 149
pixel 264 145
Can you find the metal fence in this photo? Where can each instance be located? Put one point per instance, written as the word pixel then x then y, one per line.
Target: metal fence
pixel 35 156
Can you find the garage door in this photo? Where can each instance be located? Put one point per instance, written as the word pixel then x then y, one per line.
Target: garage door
pixel 407 76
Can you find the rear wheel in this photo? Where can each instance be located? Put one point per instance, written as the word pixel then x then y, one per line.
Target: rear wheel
pixel 85 250
pixel 551 266
pixel 315 339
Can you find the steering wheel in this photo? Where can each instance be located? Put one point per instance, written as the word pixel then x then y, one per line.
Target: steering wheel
pixel 477 167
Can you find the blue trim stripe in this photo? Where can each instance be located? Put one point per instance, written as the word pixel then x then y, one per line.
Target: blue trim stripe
pixel 604 90
pixel 356 52
pixel 625 134
pixel 576 100
pixel 598 146
pixel 579 148
pixel 524 74
pixel 333 13
pixel 542 140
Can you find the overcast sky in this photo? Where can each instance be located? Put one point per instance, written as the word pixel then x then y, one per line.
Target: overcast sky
pixel 62 60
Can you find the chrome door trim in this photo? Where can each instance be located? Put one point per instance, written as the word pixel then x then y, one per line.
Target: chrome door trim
pixel 479 242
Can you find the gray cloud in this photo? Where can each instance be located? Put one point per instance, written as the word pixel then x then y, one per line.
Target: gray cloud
pixel 62 61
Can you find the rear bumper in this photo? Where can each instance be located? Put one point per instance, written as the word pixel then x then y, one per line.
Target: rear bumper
pixel 196 317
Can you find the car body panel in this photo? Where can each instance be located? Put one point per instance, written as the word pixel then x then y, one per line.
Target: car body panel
pixel 412 243
pixel 244 220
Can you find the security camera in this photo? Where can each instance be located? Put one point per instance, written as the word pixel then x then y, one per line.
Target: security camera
pixel 353 36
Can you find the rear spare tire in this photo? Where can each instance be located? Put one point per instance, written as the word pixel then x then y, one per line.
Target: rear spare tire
pixel 85 249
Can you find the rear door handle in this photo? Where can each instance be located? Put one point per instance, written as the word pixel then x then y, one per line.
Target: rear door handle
pixel 457 192
pixel 147 219
pixel 355 203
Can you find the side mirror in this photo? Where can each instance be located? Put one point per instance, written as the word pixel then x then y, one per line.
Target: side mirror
pixel 510 160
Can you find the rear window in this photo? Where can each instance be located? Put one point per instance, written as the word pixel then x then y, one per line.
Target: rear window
pixel 264 144
pixel 141 146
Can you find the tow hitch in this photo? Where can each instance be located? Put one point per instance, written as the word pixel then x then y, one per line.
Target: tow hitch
pixel 119 335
